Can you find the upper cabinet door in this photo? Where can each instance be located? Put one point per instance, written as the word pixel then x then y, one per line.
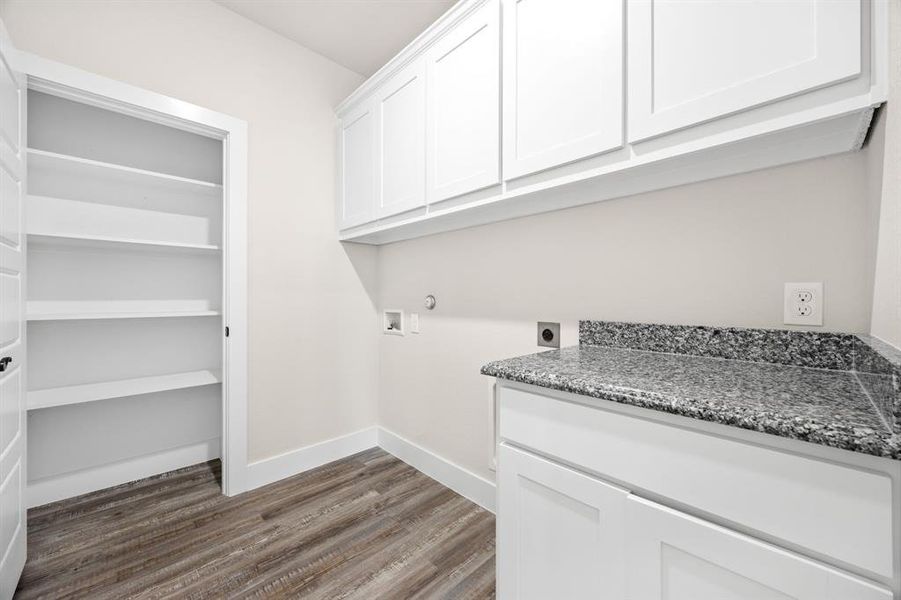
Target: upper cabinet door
pixel 560 533
pixel 690 62
pixel 673 556
pixel 400 109
pixel 463 70
pixel 563 82
pixel 356 167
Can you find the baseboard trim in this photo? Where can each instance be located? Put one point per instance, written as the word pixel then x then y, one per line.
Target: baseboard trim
pixel 270 470
pixel 68 485
pixel 467 484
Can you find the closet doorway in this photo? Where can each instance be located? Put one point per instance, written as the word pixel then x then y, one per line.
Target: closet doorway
pixel 135 215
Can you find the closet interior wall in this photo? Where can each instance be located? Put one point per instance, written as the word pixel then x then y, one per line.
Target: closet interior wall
pixel 125 287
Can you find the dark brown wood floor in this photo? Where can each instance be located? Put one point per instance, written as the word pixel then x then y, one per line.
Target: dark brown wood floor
pixel 368 526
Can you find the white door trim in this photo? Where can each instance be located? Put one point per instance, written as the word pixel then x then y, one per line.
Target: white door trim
pixel 75 84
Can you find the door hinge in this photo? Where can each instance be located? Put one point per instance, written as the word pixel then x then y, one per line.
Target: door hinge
pixel 226 331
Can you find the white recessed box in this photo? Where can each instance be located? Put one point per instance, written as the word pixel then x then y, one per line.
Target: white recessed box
pixel 393 322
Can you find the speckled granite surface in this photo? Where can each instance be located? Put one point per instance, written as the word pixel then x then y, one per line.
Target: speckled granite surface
pixel 694 375
pixel 782 346
pixel 879 369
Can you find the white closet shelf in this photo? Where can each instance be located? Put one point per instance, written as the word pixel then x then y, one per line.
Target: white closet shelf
pixel 85 167
pixel 76 311
pixel 82 316
pixel 67 240
pixel 122 315
pixel 91 392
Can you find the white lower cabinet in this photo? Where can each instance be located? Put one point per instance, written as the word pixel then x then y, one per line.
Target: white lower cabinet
pixel 560 533
pixel 565 534
pixel 673 556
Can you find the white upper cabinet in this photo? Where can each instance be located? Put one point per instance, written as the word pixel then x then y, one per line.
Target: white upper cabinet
pixel 563 82
pixel 356 166
pixel 691 62
pixel 463 73
pixel 674 556
pixel 400 110
pixel 505 108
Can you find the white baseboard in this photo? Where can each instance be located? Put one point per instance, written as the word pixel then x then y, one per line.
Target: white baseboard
pixel 68 485
pixel 467 484
pixel 273 469
pixel 260 473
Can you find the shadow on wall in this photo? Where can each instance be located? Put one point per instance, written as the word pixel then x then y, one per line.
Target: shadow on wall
pixel 715 252
pixel 364 259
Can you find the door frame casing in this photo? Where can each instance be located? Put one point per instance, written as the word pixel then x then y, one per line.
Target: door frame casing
pixel 74 84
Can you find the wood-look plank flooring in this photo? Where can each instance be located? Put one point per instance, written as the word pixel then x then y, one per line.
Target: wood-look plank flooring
pixel 365 527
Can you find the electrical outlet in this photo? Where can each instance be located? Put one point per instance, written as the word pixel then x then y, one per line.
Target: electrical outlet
pixel 803 303
pixel 548 334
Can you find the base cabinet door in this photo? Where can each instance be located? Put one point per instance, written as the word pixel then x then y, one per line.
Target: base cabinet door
pixel 559 532
pixel 673 556
pixel 563 82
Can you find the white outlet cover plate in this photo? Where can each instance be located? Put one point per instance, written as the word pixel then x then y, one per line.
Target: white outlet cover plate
pixel 794 306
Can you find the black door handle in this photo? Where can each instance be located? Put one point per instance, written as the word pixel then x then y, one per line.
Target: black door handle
pixel 4 362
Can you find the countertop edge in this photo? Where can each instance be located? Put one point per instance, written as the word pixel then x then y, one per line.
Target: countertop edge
pixel 863 440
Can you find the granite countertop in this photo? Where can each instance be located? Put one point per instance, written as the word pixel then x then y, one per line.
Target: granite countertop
pixel 829 406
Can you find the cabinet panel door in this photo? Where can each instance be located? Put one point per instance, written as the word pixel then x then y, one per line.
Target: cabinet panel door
pixel 690 62
pixel 401 146
pixel 464 107
pixel 563 82
pixel 356 167
pixel 673 556
pixel 559 532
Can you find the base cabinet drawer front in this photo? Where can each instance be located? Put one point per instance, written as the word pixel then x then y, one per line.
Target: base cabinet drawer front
pixel 673 556
pixel 463 75
pixel 563 82
pixel 356 167
pixel 400 110
pixel 830 509
pixel 559 532
pixel 690 62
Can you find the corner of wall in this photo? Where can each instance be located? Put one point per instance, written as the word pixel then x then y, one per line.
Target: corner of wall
pixel 885 320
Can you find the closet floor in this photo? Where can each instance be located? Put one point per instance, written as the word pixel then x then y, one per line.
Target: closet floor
pixel 368 526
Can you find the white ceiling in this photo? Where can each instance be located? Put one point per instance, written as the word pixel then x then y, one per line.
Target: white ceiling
pixel 362 35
